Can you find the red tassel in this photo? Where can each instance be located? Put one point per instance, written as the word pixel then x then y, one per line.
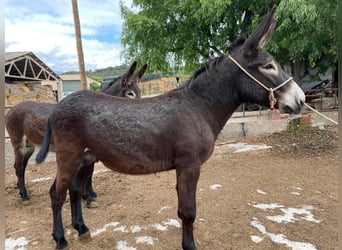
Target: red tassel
pixel 272 103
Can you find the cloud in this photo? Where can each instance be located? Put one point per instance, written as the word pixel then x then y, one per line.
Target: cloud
pixel 46 28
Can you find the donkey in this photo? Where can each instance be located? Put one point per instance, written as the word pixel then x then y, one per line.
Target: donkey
pixel 26 123
pixel 176 130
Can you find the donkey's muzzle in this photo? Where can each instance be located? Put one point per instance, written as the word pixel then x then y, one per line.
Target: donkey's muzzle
pixel 293 109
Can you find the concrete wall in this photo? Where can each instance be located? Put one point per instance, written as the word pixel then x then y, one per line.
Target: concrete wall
pixel 256 123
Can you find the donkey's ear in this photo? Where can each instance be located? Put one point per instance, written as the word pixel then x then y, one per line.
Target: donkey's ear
pixel 129 73
pixel 138 75
pixel 142 71
pixel 261 35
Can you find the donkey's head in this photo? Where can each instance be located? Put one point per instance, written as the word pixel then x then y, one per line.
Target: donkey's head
pixel 127 84
pixel 263 80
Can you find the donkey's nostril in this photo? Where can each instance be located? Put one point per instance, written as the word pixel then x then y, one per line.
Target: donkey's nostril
pixel 288 110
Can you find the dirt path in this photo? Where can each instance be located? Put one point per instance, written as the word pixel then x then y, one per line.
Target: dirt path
pixel 284 197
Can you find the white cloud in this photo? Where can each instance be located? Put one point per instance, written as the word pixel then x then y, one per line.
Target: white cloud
pixel 46 28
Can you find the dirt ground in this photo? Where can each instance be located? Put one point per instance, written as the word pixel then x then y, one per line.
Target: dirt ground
pixel 284 197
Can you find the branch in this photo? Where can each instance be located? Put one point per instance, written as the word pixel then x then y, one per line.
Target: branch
pixel 247 21
pixel 216 50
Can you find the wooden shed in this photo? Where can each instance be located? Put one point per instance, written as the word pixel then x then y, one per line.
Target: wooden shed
pixel 29 78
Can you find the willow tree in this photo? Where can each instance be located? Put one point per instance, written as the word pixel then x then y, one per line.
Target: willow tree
pixel 306 33
pixel 183 33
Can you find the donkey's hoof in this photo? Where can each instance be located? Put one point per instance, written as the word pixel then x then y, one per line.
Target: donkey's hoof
pixel 66 247
pixel 26 202
pixel 84 238
pixel 92 204
pixel 62 244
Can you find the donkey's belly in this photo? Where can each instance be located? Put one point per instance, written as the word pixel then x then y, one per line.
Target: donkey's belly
pixel 134 168
pixel 136 158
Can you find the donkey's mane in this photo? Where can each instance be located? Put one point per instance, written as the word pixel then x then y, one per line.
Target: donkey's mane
pixel 114 80
pixel 211 63
pixel 237 43
pixel 106 84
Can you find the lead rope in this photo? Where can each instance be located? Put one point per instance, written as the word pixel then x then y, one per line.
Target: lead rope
pixel 271 97
pixel 314 110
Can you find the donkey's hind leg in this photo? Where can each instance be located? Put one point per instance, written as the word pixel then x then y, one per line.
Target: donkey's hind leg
pixel 68 165
pixel 88 193
pixel 87 170
pixel 78 185
pixel 56 205
pixel 187 179
pixel 22 154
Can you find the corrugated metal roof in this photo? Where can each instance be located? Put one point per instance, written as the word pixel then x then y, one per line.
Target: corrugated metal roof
pixel 13 55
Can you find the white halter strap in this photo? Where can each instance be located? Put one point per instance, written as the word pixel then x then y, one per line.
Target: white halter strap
pixel 272 99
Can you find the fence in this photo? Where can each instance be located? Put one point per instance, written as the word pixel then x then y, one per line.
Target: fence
pixel 321 99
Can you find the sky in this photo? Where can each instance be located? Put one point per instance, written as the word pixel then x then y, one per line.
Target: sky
pixel 46 28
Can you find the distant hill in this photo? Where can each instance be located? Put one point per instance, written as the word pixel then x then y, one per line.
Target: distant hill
pixel 100 74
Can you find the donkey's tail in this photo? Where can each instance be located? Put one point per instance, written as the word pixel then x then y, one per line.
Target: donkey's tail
pixel 44 148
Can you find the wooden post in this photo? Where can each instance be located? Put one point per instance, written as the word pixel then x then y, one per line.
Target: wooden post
pixel 79 45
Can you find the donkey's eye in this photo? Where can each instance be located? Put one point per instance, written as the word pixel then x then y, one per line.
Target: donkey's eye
pixel 269 66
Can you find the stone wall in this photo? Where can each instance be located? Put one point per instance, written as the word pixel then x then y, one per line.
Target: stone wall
pixel 20 92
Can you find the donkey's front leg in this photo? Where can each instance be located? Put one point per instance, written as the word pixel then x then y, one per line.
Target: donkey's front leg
pixel 186 189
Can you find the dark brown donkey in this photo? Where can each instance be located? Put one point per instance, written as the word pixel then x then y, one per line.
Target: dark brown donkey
pixel 176 130
pixel 26 123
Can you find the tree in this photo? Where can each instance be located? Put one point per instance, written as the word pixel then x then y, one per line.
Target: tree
pixel 176 34
pixel 94 86
pixel 306 33
pixel 79 44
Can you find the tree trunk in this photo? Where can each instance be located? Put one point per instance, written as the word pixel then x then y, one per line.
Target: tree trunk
pixel 79 44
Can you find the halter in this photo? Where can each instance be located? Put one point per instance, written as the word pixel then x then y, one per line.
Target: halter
pixel 271 97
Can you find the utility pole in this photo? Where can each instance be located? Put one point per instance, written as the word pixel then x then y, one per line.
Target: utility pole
pixel 79 44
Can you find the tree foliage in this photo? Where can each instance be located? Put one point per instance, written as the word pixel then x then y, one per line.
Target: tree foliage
pixel 306 32
pixel 180 34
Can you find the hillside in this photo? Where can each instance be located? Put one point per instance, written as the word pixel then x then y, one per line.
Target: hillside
pixel 150 84
pixel 99 74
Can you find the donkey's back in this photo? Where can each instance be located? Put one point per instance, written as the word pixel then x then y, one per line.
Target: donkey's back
pixel 27 121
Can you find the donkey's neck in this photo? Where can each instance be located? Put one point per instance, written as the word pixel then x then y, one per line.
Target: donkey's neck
pixel 114 89
pixel 218 91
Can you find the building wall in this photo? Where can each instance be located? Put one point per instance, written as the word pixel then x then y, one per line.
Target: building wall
pixel 71 86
